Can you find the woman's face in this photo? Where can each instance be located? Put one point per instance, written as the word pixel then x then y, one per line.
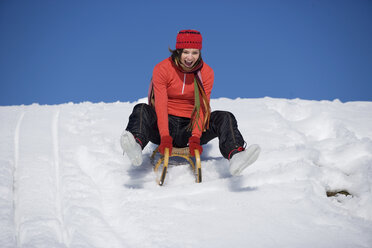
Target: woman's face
pixel 189 57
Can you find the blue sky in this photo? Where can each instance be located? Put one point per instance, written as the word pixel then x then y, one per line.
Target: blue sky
pixel 54 52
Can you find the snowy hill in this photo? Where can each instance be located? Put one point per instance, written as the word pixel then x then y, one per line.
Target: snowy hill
pixel 65 183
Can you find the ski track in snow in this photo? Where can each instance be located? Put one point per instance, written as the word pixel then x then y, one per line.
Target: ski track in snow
pixel 65 183
pixel 16 158
pixel 38 218
pixel 55 126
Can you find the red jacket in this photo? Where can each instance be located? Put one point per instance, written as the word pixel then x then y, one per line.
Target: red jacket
pixel 174 93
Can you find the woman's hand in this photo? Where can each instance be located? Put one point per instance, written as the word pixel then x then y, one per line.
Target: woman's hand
pixel 166 142
pixel 194 144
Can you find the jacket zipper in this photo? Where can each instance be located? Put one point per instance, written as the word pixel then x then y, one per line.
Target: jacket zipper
pixel 184 79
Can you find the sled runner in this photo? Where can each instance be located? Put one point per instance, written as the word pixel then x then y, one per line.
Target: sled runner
pixel 177 152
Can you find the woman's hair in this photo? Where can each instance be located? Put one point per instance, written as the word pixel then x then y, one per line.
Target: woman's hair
pixel 176 53
pixel 176 56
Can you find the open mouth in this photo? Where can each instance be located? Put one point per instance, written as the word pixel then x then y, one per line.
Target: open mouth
pixel 188 63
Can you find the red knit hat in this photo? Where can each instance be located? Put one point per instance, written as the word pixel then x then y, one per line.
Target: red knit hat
pixel 189 39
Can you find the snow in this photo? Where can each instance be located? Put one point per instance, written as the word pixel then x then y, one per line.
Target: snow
pixel 65 183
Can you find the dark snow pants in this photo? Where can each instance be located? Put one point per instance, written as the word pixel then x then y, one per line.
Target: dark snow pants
pixel 143 125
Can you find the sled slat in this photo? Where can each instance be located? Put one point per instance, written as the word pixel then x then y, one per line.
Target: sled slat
pixel 198 166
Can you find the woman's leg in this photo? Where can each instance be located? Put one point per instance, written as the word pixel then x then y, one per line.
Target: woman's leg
pixel 224 126
pixel 143 124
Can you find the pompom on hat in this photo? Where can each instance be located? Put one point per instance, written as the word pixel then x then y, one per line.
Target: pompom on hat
pixel 189 39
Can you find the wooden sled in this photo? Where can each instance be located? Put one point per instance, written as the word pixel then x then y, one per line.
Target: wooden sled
pixel 177 152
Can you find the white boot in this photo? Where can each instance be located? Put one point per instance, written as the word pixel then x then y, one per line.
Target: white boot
pixel 131 148
pixel 242 160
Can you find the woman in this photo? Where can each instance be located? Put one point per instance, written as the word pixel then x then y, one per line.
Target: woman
pixel 178 113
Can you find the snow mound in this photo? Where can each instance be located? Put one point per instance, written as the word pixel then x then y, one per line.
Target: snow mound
pixel 65 183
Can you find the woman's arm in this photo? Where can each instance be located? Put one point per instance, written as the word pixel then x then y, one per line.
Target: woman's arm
pixel 160 83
